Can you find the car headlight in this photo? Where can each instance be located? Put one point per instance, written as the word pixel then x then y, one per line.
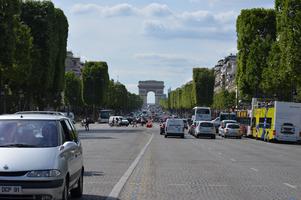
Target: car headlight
pixel 44 173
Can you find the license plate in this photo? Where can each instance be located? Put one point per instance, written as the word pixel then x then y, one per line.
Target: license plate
pixel 10 189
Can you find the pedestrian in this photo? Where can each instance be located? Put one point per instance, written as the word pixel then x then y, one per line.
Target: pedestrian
pixel 87 121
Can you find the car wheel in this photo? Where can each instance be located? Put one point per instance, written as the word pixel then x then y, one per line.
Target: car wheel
pixel 78 191
pixel 165 136
pixel 183 136
pixel 213 137
pixel 65 195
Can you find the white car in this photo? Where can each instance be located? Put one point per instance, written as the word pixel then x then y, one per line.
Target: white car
pixel 40 157
pixel 232 130
pixel 174 127
pixel 205 129
pixel 223 125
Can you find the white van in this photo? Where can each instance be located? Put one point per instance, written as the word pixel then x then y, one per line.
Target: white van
pixel 174 127
pixel 114 120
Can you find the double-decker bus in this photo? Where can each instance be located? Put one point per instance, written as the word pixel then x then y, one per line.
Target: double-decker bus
pixel 280 121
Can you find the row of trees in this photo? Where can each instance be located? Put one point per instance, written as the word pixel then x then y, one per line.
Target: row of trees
pixel 33 40
pixel 96 90
pixel 198 92
pixel 269 56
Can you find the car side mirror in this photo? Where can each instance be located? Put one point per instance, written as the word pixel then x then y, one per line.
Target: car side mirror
pixel 68 146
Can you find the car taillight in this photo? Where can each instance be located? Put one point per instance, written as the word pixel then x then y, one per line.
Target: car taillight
pixel 274 132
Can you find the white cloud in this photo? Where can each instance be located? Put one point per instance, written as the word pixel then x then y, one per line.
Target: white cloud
pixel 106 11
pixel 153 9
pixel 166 31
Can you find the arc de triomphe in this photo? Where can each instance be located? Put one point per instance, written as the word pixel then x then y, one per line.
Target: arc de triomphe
pixel 151 86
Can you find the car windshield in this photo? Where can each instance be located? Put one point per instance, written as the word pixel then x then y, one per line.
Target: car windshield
pixel 28 133
pixel 202 111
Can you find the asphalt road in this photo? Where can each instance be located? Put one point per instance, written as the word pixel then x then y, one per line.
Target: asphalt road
pixel 190 168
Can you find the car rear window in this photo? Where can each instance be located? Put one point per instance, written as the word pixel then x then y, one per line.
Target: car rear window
pixel 28 133
pixel 234 126
pixel 206 124
pixel 175 122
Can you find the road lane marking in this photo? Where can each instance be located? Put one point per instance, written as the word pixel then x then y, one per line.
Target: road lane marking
pixel 233 160
pixel 122 181
pixel 219 153
pixel 254 169
pixel 291 186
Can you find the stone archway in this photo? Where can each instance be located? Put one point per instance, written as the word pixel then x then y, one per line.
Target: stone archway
pixel 151 86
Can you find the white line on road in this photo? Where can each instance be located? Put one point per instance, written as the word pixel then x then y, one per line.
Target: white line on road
pixel 254 169
pixel 122 181
pixel 291 186
pixel 219 153
pixel 233 160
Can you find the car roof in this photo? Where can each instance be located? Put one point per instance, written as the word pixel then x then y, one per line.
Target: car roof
pixel 205 122
pixel 31 117
pixel 228 120
pixel 232 124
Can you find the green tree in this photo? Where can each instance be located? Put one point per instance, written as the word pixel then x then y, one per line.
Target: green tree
pixel 224 100
pixel 256 32
pixel 203 86
pixel 95 79
pixel 73 90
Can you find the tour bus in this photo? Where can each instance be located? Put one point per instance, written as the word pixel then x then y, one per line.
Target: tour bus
pixel 277 121
pixel 201 114
pixel 104 116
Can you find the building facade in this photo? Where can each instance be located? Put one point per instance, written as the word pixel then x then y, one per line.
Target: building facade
pixel 225 72
pixel 73 64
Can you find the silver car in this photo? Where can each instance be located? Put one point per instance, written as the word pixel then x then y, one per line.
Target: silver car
pixel 232 130
pixel 205 129
pixel 40 157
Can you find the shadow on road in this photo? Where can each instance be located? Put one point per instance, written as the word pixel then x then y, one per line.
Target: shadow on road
pixel 83 137
pixel 95 197
pixel 93 173
pixel 113 130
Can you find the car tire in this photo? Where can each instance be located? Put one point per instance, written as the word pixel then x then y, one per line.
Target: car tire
pixel 165 136
pixel 213 137
pixel 78 191
pixel 65 195
pixel 183 136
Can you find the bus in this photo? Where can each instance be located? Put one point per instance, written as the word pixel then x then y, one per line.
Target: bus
pixel 277 121
pixel 104 115
pixel 201 114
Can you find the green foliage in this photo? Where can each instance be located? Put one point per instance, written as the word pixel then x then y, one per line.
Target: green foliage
pixel 73 90
pixel 224 100
pixel 203 86
pixel 120 100
pixel 95 83
pixel 256 32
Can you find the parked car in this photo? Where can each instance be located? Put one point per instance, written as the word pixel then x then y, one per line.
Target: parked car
pixel 174 127
pixel 232 130
pixel 223 125
pixel 205 129
pixel 40 157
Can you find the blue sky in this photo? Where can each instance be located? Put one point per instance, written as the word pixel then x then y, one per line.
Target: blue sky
pixel 154 40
